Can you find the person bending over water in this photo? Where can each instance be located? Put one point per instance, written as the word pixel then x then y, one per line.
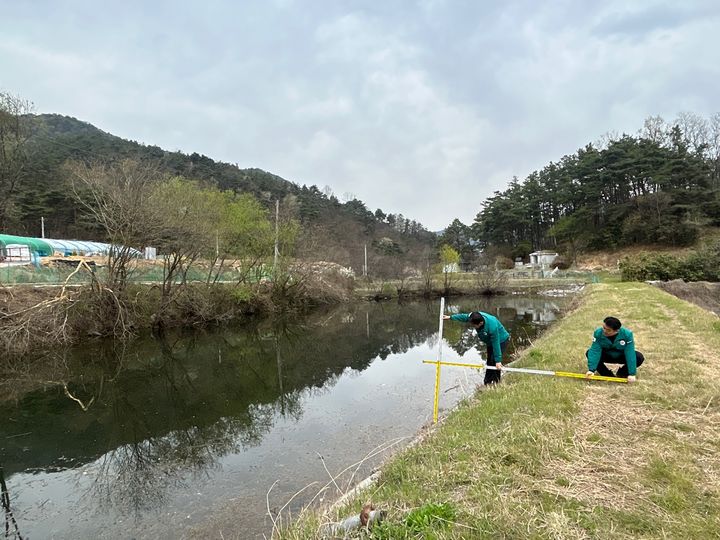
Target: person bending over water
pixel 491 332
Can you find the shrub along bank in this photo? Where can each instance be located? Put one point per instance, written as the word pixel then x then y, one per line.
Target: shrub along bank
pixel 700 265
pixel 538 457
pixel 36 318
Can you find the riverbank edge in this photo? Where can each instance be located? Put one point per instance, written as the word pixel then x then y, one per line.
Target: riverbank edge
pixel 548 458
pixel 469 287
pixel 37 318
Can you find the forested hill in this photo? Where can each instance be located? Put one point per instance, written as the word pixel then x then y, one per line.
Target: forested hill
pixel 660 187
pixel 56 138
pixel 336 230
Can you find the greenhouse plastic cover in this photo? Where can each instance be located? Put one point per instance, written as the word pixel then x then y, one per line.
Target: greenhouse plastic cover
pixel 46 247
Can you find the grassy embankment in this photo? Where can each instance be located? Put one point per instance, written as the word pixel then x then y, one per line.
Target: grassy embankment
pixel 540 457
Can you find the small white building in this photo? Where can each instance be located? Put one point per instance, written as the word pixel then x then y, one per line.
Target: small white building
pixel 542 258
pixel 17 253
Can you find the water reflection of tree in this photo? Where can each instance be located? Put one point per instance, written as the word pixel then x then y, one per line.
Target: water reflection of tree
pixel 466 341
pixel 522 327
pixel 168 412
pixel 138 476
pixel 12 530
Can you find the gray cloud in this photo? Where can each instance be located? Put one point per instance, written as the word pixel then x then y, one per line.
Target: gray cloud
pixel 423 109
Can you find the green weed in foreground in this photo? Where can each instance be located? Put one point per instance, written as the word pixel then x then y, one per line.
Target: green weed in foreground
pixel 425 522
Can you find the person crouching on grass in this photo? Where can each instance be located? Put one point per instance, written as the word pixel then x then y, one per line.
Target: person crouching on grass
pixel 491 332
pixel 613 344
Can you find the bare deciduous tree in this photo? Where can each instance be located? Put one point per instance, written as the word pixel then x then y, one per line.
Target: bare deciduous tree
pixel 695 130
pixel 14 134
pixel 656 130
pixel 118 198
pixel 487 278
pixel 714 147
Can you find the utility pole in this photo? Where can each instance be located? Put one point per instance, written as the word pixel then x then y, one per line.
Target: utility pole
pixel 42 227
pixel 280 376
pixel 365 268
pixel 277 233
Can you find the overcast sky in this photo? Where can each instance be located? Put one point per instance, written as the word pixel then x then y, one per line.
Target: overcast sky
pixel 420 108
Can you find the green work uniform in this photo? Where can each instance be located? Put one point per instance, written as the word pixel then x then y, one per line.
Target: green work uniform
pixel 622 345
pixel 493 333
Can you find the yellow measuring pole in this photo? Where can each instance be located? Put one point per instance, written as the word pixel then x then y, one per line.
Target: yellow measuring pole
pixel 439 361
pixel 568 374
pixel 591 377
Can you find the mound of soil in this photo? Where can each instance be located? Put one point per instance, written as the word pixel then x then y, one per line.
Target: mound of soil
pixel 701 293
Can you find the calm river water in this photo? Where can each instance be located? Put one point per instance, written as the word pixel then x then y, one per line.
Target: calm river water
pixel 185 437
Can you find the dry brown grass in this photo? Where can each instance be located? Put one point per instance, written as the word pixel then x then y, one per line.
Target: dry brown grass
pixel 615 439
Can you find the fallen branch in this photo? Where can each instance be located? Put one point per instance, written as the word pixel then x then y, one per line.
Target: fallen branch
pixel 66 390
pixel 82 405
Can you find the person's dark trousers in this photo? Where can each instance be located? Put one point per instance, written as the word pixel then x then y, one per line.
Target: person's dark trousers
pixel 605 358
pixel 492 376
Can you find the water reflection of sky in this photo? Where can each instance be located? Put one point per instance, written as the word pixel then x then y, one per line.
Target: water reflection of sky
pixel 198 481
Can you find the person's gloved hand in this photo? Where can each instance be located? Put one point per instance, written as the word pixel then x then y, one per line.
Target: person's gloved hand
pixel 631 378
